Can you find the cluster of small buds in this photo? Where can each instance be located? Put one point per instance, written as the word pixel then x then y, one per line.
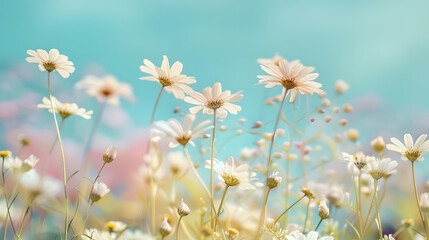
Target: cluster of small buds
pixel 274 180
pixel 165 229
pixel 110 154
pixel 183 209
pixel 323 210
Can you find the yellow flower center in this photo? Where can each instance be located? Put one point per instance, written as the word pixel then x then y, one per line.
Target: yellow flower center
pixel 215 104
pixel 165 81
pixel 230 180
pixel 288 83
pixel 377 174
pixel 110 226
pixel 5 154
pixel 412 155
pixel 183 140
pixel 49 66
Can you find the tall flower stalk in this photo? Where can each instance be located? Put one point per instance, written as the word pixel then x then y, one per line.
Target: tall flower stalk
pixel 212 167
pixel 63 160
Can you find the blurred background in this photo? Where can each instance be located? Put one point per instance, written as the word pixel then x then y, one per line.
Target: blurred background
pixel 380 48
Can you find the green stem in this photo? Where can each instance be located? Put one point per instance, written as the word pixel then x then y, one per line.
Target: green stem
pixel 369 213
pixel 211 168
pixel 417 199
pixel 359 204
pixel 155 106
pixel 281 215
pixel 62 158
pixel 177 230
pixel 264 203
pixel 318 224
pixel 23 220
pixel 52 149
pixel 377 209
pixel 96 178
pixel 306 215
pixel 220 207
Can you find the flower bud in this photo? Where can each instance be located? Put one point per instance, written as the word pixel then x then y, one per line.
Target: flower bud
pixel 352 134
pixel 328 118
pixel 232 233
pixel 98 191
pixel 110 154
pixel 343 122
pixel 378 144
pixel 29 163
pixel 326 102
pixel 347 108
pixel 183 209
pixel 257 124
pixel 323 210
pixel 165 228
pixel 341 86
pixel 424 202
pixel 274 181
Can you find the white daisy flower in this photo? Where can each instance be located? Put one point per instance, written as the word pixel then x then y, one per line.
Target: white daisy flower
pixel 51 62
pixel 293 76
pixel 379 168
pixel 358 159
pixel 136 235
pixel 412 152
pixel 41 189
pixel 115 226
pixel 180 134
pixel 65 109
pixel 16 165
pixel 214 99
pixel 100 190
pixel 106 89
pixel 310 236
pixel 234 175
pixel 169 78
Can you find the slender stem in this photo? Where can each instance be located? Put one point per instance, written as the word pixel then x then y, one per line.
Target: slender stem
pixel 212 166
pixel 23 219
pixel 192 167
pixel 318 224
pixel 62 158
pixel 156 105
pixel 360 202
pixel 264 206
pixel 52 149
pixel 220 207
pixel 5 197
pixel 297 201
pixel 357 197
pixel 306 215
pixel 177 230
pixel 96 178
pixel 398 232
pixel 377 209
pixel 417 199
pixel 369 213
pixel 152 203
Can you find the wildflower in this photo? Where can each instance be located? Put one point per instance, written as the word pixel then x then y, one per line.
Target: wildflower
pixel 234 175
pixel 51 62
pixel 386 237
pixel 232 233
pixel 40 189
pixel 352 134
pixel 106 89
pixel 100 190
pixel 169 78
pixel 358 159
pixel 274 180
pixel 412 152
pixel 407 223
pixel 136 235
pixel 341 86
pixel 293 76
pixel 110 154
pixel 183 209
pixel 379 168
pixel 378 144
pixel 65 109
pixel 178 163
pixel 214 99
pixel 424 202
pixel 5 154
pixel 29 163
pixel 115 226
pixel 323 210
pixel 165 228
pixel 310 236
pixel 307 192
pixel 16 165
pixel 94 234
pixel 181 134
